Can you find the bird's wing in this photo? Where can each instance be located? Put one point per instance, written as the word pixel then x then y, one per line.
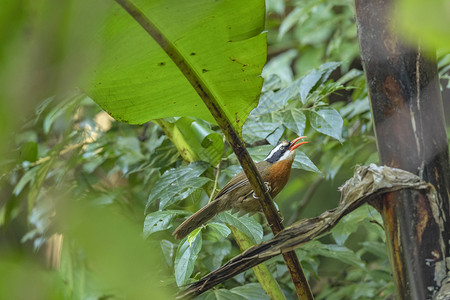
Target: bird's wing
pixel 231 186
pixel 241 179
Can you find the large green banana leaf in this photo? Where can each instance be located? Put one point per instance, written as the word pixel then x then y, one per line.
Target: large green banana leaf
pixel 222 41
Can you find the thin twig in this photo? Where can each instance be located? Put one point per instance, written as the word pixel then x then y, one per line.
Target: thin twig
pixel 213 193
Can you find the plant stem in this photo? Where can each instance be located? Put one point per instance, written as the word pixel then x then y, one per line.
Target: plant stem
pixel 262 273
pixel 183 147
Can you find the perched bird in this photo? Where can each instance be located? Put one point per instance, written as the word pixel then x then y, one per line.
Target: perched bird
pixel 238 194
pixel 368 184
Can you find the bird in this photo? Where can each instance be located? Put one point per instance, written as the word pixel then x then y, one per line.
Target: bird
pixel 238 194
pixel 367 185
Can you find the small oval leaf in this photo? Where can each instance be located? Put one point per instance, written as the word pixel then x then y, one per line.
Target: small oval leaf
pixel 185 258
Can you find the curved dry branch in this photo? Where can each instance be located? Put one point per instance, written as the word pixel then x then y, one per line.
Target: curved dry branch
pixel 368 183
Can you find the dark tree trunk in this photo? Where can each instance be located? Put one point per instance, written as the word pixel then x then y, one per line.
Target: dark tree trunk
pixel 409 123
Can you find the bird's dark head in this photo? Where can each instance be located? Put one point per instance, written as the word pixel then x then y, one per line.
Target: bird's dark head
pixel 284 150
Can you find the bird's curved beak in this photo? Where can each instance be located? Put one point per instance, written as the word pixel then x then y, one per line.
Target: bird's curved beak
pixel 294 146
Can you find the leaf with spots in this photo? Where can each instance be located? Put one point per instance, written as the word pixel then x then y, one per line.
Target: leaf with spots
pixel 160 220
pixel 136 81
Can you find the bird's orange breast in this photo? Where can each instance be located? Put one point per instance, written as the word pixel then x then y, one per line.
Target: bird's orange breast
pixel 278 175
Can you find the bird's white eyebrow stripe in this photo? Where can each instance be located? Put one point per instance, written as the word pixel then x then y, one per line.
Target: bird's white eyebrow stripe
pixel 276 149
pixel 273 151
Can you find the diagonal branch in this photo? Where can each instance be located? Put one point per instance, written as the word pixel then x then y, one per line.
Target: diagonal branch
pixel 368 183
pixel 268 207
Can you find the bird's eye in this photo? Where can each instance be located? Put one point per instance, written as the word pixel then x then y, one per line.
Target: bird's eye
pixel 282 148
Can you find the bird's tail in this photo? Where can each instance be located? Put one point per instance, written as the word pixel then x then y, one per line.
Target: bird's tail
pixel 199 218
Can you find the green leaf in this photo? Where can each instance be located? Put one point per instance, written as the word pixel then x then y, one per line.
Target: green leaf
pixel 309 81
pixel 246 224
pixel 341 293
pixel 220 294
pixel 275 136
pixel 355 108
pixel 303 162
pixel 130 150
pixel 221 230
pixel 280 66
pixel 328 121
pixel 261 126
pixel 216 253
pixel 168 249
pixel 50 118
pixel 270 101
pixel 203 134
pixel 381 275
pixel 185 259
pixel 194 234
pixel 281 97
pixel 269 119
pixel 28 177
pixel 350 75
pixel 182 190
pixel 289 21
pixel 251 291
pixel 205 143
pixel 165 155
pixel 160 220
pixel 338 252
pixel 178 184
pixel 136 81
pixel 276 6
pixel 59 109
pixel 343 230
pixel 310 263
pixel 375 248
pixel 295 120
pixel 350 223
pixel 35 178
pixel 29 152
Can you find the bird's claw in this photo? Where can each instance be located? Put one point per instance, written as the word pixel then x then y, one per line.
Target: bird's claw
pixel 268 189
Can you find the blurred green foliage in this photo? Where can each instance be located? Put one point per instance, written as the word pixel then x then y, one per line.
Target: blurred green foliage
pixel 427 21
pixel 116 192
